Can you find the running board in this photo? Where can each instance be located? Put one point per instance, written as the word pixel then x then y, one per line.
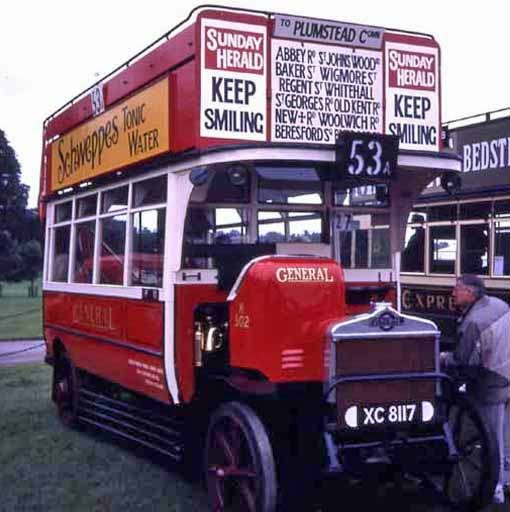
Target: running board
pixel 145 426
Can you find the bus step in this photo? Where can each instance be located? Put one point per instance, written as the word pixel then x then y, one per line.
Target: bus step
pixel 143 425
pixel 125 435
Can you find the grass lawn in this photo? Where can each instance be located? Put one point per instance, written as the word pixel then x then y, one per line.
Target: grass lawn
pixel 20 315
pixel 46 467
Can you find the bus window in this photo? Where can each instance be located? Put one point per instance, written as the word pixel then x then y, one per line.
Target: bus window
pixel 380 256
pixel 365 195
pixel 289 226
pixel 479 210
pixel 443 212
pixel 345 241
pixel 63 211
pixel 215 225
pixel 114 200
pixel 84 252
pixel 502 248
pixel 413 255
pixel 283 185
pixel 223 188
pixel 361 248
pixel 442 249
pixel 61 255
pixel 148 248
pixel 86 206
pixel 362 240
pixel 148 192
pixel 502 209
pixel 474 249
pixel 271 227
pixel 113 240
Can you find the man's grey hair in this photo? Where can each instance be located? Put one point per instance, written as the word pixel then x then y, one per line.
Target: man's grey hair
pixel 475 283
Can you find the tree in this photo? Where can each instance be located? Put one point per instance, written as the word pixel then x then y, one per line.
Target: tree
pixel 19 227
pixel 30 254
pixel 9 257
pixel 13 194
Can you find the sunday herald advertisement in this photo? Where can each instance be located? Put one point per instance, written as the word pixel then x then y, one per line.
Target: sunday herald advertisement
pixel 233 80
pixel 412 95
pixel 325 78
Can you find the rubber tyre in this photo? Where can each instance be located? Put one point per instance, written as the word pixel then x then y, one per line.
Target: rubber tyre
pixel 66 388
pixel 240 472
pixel 469 484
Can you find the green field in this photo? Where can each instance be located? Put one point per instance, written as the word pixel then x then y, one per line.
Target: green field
pixel 46 467
pixel 20 315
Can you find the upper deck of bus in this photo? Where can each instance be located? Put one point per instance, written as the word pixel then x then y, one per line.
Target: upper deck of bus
pixel 230 79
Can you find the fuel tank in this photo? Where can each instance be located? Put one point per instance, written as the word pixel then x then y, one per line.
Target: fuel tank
pixel 280 310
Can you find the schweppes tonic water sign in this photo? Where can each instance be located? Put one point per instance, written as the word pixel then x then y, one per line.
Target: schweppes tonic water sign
pixel 132 131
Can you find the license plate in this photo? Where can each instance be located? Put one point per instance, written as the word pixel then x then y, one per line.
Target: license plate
pixel 358 416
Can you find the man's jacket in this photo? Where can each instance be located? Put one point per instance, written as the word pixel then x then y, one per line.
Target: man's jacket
pixel 484 340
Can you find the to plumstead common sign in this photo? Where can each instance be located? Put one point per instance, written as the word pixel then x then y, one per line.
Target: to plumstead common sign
pixel 325 77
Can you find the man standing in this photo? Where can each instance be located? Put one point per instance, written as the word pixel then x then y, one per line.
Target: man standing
pixel 484 341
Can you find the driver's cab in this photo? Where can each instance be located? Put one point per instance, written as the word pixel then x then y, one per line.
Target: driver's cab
pixel 241 211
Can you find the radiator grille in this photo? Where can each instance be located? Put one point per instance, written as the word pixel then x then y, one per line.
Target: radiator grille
pixel 384 356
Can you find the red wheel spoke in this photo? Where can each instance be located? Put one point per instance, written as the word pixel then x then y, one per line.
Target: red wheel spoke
pixel 240 472
pixel 235 434
pixel 239 468
pixel 219 504
pixel 457 427
pixel 234 472
pixel 248 496
pixel 225 447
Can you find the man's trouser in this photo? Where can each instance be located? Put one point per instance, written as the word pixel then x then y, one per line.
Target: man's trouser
pixel 497 419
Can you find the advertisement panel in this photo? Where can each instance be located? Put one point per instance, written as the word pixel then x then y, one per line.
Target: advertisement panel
pixel 233 80
pixel 412 95
pixel 319 90
pixel 323 78
pixel 485 151
pixel 134 130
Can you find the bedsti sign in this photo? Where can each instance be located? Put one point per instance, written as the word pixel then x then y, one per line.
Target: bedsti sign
pixel 324 77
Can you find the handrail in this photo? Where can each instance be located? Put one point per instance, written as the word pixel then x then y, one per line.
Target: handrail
pixel 488 116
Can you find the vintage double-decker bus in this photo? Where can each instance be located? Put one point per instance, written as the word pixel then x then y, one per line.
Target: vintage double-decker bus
pixel 466 232
pixel 197 203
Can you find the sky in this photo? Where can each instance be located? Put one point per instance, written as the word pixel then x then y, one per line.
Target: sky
pixel 50 51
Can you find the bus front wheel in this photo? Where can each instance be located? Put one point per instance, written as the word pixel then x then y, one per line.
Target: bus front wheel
pixel 239 463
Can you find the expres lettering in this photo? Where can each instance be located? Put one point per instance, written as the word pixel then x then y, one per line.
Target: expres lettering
pixel 86 151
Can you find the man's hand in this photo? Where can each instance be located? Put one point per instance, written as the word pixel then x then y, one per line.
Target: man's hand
pixel 446 359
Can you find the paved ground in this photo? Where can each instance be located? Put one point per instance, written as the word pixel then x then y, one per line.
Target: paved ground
pixel 21 352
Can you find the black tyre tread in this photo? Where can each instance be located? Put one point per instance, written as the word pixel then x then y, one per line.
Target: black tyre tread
pixel 65 363
pixel 258 439
pixel 485 493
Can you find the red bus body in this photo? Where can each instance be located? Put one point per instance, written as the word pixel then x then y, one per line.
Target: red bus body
pixel 195 223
